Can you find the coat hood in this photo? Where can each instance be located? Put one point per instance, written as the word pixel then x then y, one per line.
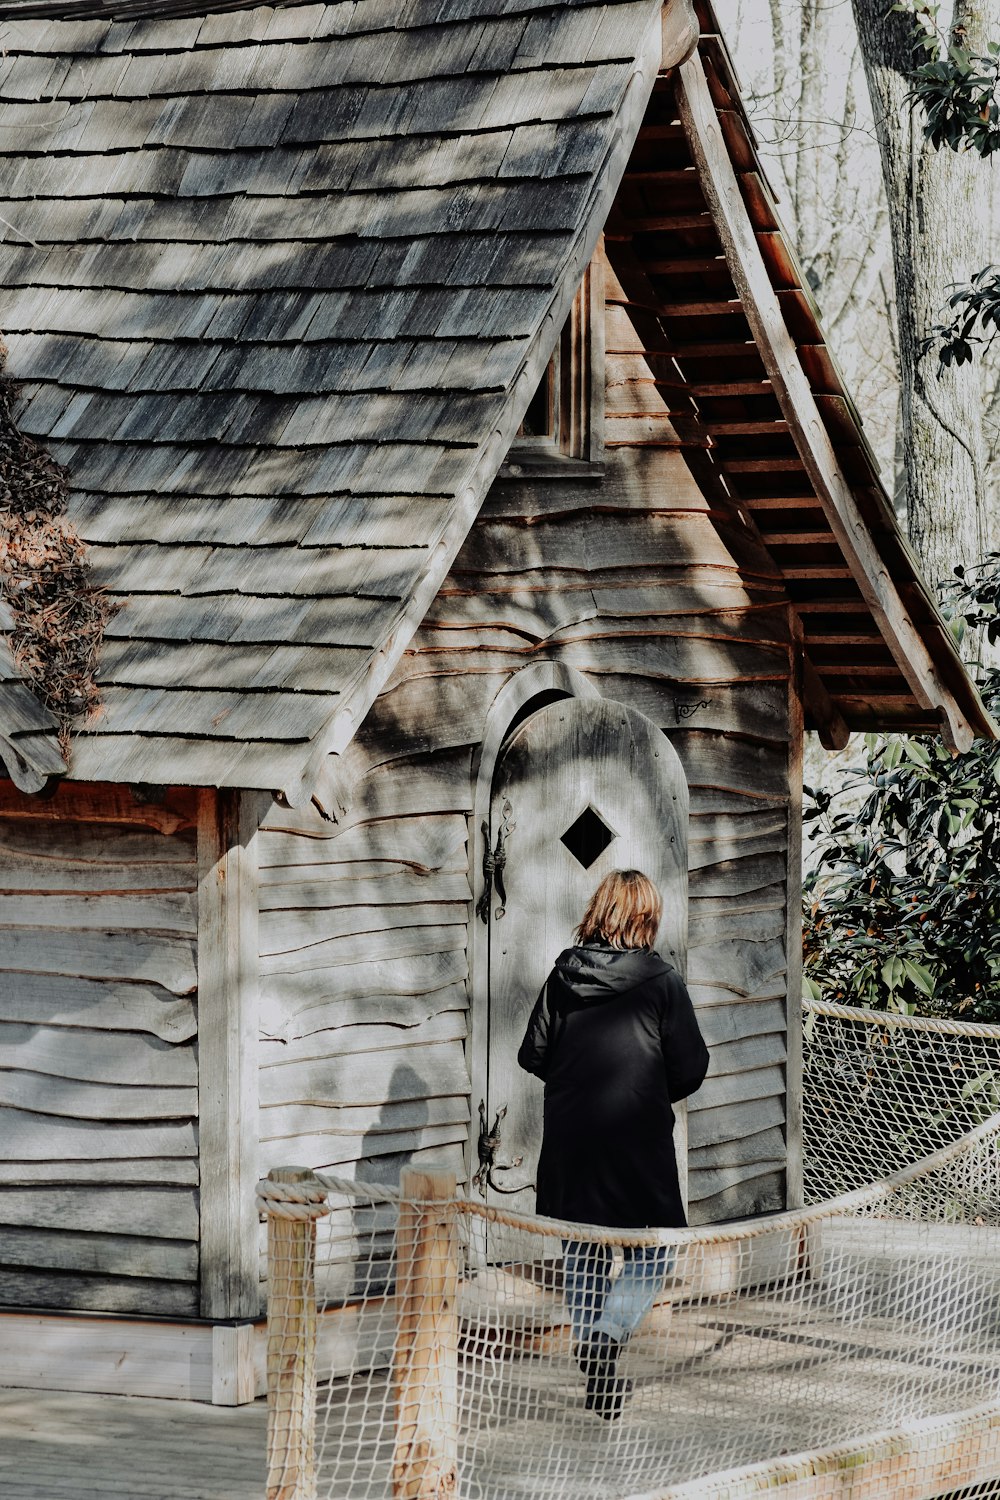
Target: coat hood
pixel 598 971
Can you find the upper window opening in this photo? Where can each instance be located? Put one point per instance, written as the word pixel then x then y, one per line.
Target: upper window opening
pixel 562 428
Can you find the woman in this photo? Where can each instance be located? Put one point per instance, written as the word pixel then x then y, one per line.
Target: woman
pixel 614 1038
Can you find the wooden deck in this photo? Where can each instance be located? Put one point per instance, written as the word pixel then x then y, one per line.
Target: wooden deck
pixel 62 1446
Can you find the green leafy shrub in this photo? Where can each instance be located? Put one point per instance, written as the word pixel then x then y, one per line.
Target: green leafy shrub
pixel 902 907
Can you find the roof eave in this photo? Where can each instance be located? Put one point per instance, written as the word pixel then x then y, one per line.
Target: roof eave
pixel 924 650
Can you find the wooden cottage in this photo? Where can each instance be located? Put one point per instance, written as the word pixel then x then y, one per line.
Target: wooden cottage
pixel 445 410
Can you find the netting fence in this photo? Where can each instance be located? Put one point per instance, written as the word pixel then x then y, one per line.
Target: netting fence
pixel 848 1348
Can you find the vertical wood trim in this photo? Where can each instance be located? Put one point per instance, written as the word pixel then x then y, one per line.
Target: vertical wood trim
pixel 596 331
pixel 234 1374
pixel 793 926
pixel 228 1004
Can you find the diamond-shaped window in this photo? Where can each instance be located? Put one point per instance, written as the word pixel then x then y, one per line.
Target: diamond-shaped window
pixel 588 837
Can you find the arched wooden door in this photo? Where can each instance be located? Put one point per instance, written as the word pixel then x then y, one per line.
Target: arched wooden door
pixel 584 786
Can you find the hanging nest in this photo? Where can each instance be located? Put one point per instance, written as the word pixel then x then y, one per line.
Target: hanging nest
pixel 59 616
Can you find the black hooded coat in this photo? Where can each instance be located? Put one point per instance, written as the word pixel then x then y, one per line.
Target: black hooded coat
pixel 614 1038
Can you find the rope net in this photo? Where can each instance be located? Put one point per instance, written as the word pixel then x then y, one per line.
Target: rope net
pixel 882 1090
pixel 847 1348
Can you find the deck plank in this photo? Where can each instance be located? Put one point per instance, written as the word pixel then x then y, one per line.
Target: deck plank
pixel 62 1446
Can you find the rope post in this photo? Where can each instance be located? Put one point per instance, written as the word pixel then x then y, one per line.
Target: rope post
pixel 425 1462
pixel 291 1339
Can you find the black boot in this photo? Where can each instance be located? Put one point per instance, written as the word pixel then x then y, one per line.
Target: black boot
pixel 606 1391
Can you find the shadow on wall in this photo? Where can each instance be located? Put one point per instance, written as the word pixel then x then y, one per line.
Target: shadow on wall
pixel 374 1225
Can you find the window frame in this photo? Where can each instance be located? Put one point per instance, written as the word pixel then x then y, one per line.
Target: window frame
pixel 574 445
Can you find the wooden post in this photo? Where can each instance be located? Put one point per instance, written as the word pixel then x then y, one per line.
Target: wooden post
pixel 291 1350
pixel 425 1462
pixel 228 1061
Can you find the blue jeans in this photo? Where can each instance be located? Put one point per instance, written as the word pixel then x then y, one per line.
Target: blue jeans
pixel 599 1305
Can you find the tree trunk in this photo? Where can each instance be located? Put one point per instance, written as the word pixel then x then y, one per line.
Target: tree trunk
pixel 939 222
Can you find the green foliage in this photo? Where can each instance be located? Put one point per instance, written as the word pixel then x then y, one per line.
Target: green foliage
pixel 975 319
pixel 902 911
pixel 956 88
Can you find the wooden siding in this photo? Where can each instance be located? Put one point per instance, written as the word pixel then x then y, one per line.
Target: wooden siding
pixel 98 1062
pixel 363 932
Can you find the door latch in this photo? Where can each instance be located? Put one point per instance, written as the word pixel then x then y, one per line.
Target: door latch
pixel 494 864
pixel 489 1145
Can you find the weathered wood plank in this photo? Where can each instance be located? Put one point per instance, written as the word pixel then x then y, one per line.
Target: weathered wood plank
pixel 755 1195
pixel 736 1088
pixel 397 942
pixel 730 1122
pixel 95 1101
pixel 335 1151
pixel 309 893
pixel 78 804
pixel 756 926
pixel 447 1025
pixel 712 1183
pixel 120 1294
pixel 290 931
pixel 415 1107
pixel 92 1056
pixel 747 1053
pixel 95 1254
pixel 370 1077
pixel 39 858
pixel 727 1023
pixel 57 1000
pixel 750 871
pixel 742 966
pixel 45 1137
pixel 758 1146
pixel 160 911
pixel 423 843
pixel 156 958
pixel 287 999
pixel 764 898
pixel 169 1213
pixel 151 1171
pixel 732 763
pixel 396 1011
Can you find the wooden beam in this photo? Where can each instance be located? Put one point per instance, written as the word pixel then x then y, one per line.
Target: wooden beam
pixel 652 224
pixel 830 723
pixel 719 306
pixel 783 502
pixel 760 387
pixel 679 33
pixel 685 265
pixel 797 538
pixel 778 351
pixel 227 1051
pixel 775 427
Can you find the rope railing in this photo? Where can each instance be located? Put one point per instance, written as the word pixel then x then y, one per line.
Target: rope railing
pixel 423 1343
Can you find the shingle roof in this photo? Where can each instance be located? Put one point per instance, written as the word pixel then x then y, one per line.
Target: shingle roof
pixel 278 284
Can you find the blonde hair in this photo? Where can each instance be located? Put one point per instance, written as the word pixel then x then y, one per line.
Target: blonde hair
pixel 624 911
